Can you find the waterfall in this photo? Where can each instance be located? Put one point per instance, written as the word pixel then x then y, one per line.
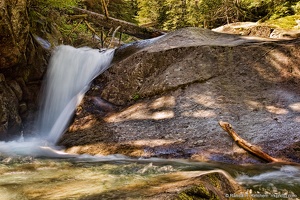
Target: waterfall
pixel 69 75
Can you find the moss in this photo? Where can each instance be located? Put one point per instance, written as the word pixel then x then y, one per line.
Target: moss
pixel 136 97
pixel 197 192
pixel 212 186
pixel 288 22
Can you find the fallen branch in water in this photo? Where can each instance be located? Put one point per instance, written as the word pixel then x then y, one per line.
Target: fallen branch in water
pixel 246 145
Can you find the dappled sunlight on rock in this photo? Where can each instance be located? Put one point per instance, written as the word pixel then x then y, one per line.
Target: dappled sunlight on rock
pixel 254 105
pixel 158 109
pixel 153 143
pixel 267 74
pixel 162 115
pixel 276 110
pixel 296 71
pixel 133 148
pixel 205 100
pixel 277 65
pixel 165 101
pixel 280 62
pixel 295 107
pixel 87 123
pixel 181 93
pixel 297 119
pixel 200 113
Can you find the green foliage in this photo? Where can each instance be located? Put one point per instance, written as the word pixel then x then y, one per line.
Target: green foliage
pixel 136 97
pixel 50 20
pixel 296 8
pixel 121 9
pixel 282 10
pixel 267 9
pixel 148 11
pixel 58 4
pixel 174 14
pixel 214 12
pixel 49 16
pixel 288 22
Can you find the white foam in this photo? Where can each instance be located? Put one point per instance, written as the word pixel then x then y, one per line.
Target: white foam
pixel 69 76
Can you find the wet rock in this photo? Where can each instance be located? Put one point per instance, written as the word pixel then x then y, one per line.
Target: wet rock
pixel 16 88
pixel 180 186
pixel 10 121
pixel 22 60
pixel 23 108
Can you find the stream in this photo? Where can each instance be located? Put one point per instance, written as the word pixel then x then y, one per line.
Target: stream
pixel 119 177
pixel 35 168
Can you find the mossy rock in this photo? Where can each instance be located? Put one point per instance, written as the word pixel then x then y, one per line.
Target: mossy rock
pixel 213 185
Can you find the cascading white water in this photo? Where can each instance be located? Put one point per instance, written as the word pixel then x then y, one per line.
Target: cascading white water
pixel 69 76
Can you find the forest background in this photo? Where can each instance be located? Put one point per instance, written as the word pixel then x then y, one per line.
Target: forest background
pixel 57 15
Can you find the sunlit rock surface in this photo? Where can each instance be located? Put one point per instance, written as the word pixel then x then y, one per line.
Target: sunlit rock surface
pixel 176 89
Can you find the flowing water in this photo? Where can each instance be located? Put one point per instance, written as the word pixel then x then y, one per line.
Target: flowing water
pixel 117 177
pixel 68 78
pixel 34 168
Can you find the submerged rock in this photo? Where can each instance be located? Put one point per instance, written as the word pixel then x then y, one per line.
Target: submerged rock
pixel 180 186
pixel 172 93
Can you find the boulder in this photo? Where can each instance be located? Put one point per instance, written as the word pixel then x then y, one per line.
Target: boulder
pixel 258 30
pixel 169 96
pixel 246 28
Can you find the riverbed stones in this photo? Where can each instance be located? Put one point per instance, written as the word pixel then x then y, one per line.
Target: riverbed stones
pixel 214 184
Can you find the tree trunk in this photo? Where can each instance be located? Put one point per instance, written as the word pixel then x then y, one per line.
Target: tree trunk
pixel 126 27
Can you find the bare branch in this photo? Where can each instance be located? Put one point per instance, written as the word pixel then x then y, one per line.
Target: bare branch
pixel 126 27
pixel 246 145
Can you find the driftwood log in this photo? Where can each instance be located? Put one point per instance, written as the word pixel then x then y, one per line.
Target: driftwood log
pixel 126 27
pixel 246 145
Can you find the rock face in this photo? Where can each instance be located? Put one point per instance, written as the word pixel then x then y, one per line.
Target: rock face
pixel 9 115
pixel 22 60
pixel 14 26
pixel 171 94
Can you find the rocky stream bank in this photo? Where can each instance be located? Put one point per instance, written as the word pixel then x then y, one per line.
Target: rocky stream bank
pixel 166 99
